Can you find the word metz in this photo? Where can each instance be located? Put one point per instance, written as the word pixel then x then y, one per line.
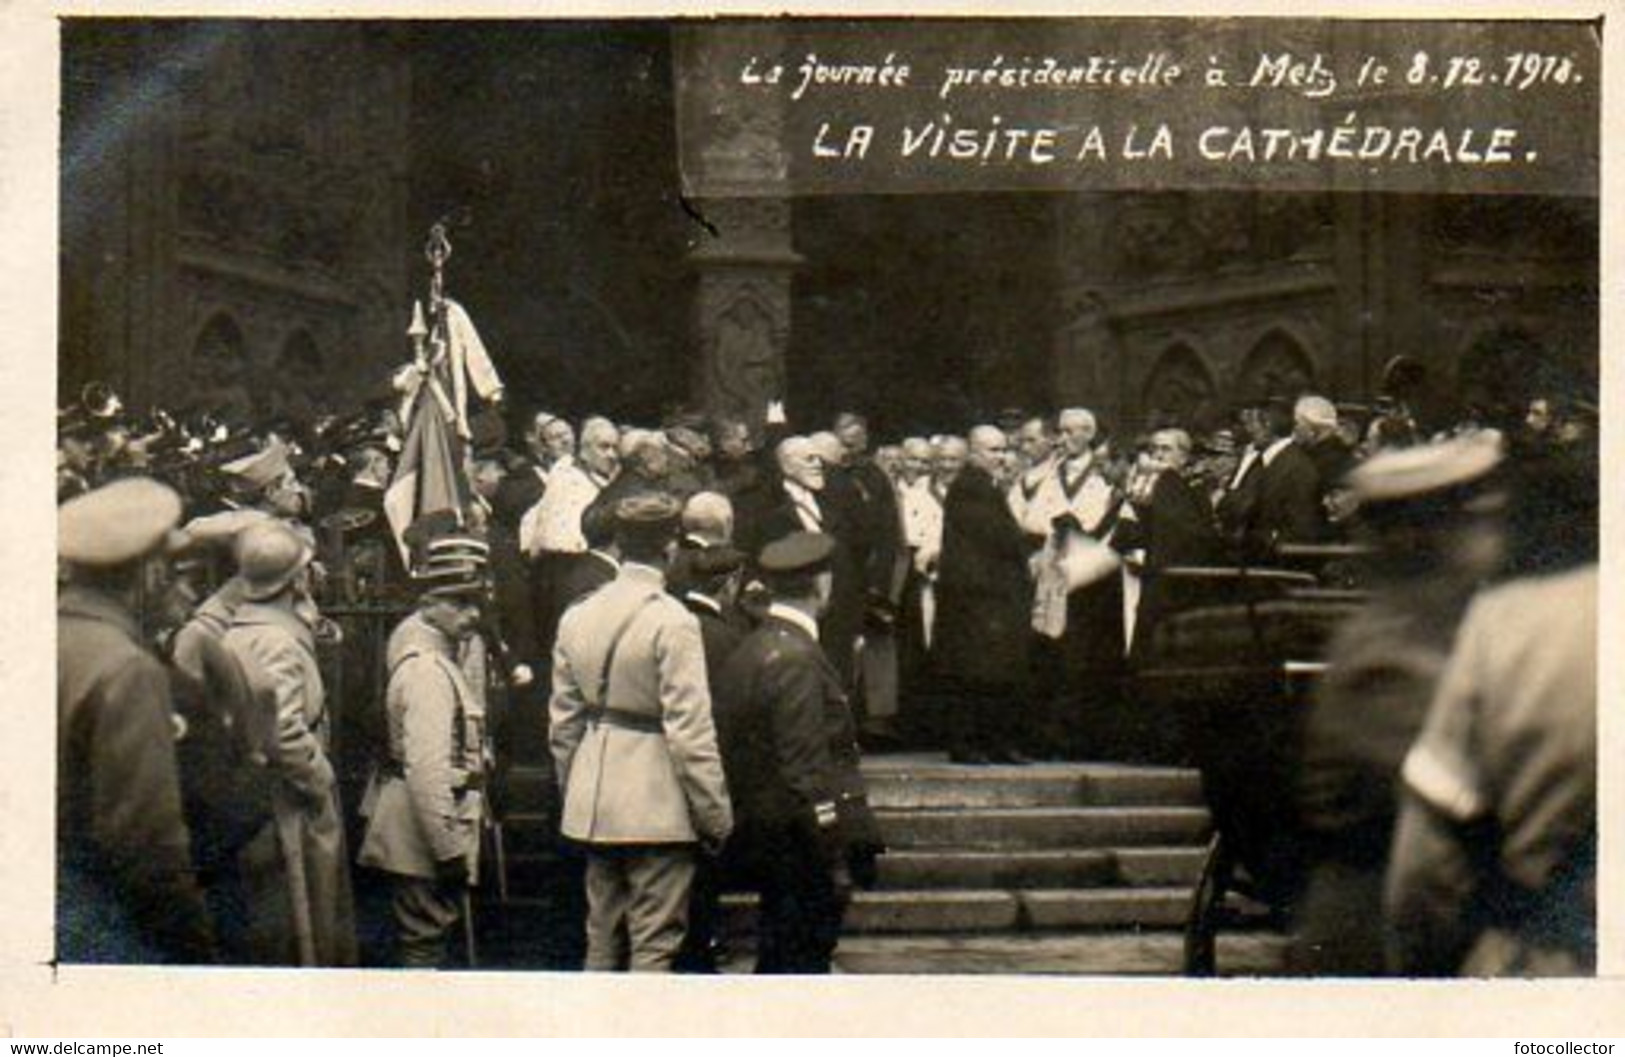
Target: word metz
pixel 1348 141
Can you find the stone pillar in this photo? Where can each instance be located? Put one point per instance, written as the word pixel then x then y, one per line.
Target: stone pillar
pixel 743 305
pixel 744 256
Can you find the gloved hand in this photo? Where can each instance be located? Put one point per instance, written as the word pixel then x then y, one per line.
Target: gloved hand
pixel 862 862
pixel 841 879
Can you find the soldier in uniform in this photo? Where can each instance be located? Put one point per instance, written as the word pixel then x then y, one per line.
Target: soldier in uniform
pixel 126 891
pixel 424 817
pixel 634 747
pixel 1432 517
pixel 309 919
pixel 790 749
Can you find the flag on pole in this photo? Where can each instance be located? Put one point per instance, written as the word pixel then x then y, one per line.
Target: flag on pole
pixel 428 478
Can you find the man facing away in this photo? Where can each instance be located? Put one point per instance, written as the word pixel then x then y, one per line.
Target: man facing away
pixel 126 890
pixel 635 749
pixel 310 920
pixel 790 748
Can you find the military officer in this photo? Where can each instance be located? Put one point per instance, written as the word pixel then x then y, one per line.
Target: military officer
pixel 423 823
pixel 790 749
pixel 126 891
pixel 634 747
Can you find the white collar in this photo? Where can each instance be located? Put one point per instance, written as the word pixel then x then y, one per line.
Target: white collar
pixel 704 602
pixel 794 616
pixel 798 490
pixel 1274 449
pixel 1072 465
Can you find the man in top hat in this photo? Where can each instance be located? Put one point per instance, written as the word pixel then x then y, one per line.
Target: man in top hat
pixel 635 749
pixel 789 745
pixel 125 885
pixel 423 826
pixel 311 920
pixel 1433 518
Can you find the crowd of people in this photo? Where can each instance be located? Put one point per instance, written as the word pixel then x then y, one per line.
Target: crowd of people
pixel 700 626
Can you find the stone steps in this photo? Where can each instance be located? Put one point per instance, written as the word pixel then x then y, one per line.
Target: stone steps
pixel 1041 827
pixel 1041 868
pixel 1048 868
pixel 1039 786
pixel 1128 953
pixel 989 910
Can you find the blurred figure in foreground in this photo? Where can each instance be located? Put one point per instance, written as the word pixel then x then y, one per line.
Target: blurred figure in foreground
pixel 1494 867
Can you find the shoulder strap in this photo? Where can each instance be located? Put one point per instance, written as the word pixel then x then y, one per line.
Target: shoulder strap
pixel 615 643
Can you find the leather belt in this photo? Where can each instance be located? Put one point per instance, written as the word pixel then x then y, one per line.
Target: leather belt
pixel 641 722
pixel 396 769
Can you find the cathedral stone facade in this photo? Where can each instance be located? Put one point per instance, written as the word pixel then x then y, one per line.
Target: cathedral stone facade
pixel 244 207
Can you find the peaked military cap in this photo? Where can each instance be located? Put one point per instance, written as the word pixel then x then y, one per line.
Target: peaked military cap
pixel 716 561
pixel 117 523
pixel 261 468
pixel 799 552
pixel 1426 470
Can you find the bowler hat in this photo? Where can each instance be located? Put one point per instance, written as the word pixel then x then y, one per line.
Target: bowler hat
pixel 269 557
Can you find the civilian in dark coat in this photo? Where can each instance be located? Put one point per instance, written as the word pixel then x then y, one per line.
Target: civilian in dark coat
pixel 1173 524
pixel 586 572
pixel 984 608
pixel 712 584
pixel 1289 509
pixel 807 497
pixel 1286 506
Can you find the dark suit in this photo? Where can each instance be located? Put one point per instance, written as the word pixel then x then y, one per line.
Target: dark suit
pixel 582 574
pixel 789 750
pixel 521 489
pixel 984 614
pixel 1175 528
pixel 719 636
pixel 1288 507
pixel 771 515
pixel 1332 459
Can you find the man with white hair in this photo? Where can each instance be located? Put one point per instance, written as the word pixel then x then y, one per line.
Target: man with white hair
pixel 1315 429
pixel 555 525
pixel 807 498
pixel 1078 673
pixel 1171 522
pixel 552 533
pixel 1287 507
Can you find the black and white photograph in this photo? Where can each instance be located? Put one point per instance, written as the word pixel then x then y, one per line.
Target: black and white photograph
pixel 1080 496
